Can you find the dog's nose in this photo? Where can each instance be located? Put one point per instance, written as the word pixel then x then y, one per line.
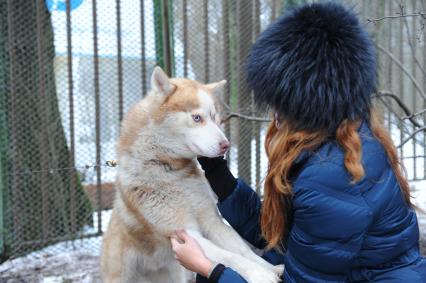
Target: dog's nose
pixel 224 146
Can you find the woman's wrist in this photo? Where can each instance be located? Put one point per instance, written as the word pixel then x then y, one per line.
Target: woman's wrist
pixel 219 176
pixel 205 268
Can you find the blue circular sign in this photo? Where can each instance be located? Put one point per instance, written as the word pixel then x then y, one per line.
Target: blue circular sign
pixel 61 5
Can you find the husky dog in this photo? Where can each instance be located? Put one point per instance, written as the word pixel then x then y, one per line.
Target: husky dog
pixel 161 188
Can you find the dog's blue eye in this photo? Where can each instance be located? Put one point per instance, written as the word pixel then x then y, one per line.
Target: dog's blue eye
pixel 197 118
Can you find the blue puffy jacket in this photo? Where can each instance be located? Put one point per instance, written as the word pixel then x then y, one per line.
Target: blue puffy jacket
pixel 341 232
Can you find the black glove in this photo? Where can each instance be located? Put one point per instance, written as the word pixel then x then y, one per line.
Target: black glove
pixel 214 275
pixel 217 173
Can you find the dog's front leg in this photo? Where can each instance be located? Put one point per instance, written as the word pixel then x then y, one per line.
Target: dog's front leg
pixel 227 238
pixel 248 269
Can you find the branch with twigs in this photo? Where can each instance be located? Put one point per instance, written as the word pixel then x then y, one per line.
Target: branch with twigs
pixel 400 14
pixel 403 15
pixel 414 115
pixel 228 116
pixel 408 114
pixel 418 14
pixel 403 127
pixel 412 135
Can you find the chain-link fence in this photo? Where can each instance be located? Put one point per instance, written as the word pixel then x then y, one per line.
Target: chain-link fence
pixel 69 70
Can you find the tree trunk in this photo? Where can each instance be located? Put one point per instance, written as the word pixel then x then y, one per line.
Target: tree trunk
pixel 36 200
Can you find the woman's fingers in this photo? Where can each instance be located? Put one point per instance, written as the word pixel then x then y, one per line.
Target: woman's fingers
pixel 183 235
pixel 189 253
pixel 175 243
pixel 176 247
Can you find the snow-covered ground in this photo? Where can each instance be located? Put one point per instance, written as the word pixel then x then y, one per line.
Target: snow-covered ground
pixel 76 261
pixel 77 265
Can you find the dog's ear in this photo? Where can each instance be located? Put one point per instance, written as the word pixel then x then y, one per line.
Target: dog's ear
pixel 216 88
pixel 161 82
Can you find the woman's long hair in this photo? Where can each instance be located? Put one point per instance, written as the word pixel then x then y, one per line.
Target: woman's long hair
pixel 285 144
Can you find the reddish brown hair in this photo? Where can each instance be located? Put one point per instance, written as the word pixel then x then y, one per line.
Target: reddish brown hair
pixel 285 144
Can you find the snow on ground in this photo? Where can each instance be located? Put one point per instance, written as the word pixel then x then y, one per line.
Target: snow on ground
pixel 64 262
pixel 68 266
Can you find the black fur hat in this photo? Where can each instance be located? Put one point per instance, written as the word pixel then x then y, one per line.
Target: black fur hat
pixel 315 67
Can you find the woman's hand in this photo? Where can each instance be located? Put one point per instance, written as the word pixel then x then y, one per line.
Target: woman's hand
pixel 189 253
pixel 220 178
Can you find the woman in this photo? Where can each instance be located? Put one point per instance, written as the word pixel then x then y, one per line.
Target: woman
pixel 336 205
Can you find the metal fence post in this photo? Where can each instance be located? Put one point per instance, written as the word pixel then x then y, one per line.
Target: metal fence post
pixel 163 38
pixel 167 40
pixel 1 202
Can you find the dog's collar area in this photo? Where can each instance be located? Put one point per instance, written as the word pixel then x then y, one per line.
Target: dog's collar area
pixel 166 165
pixel 170 164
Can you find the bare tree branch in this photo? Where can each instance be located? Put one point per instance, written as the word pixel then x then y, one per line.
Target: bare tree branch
pixel 408 113
pixel 403 127
pixel 419 14
pixel 414 115
pixel 231 114
pixel 412 135
pixel 228 116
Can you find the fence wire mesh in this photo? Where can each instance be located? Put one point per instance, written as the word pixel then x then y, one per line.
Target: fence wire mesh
pixel 70 70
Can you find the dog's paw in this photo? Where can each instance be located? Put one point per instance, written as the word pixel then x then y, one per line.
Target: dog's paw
pixel 278 269
pixel 261 275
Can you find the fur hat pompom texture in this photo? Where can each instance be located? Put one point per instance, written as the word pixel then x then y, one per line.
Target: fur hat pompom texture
pixel 314 66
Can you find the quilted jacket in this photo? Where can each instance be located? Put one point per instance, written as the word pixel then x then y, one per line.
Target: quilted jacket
pixel 341 232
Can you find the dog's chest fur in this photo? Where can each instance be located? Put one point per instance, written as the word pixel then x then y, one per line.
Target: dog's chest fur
pixel 166 195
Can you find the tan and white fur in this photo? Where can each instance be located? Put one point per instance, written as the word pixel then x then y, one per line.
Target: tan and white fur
pixel 161 188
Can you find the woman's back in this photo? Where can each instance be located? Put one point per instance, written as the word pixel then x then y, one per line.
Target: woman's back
pixel 343 231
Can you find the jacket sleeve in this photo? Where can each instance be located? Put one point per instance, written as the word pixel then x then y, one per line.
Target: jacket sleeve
pixel 228 275
pixel 242 211
pixel 231 276
pixel 328 231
